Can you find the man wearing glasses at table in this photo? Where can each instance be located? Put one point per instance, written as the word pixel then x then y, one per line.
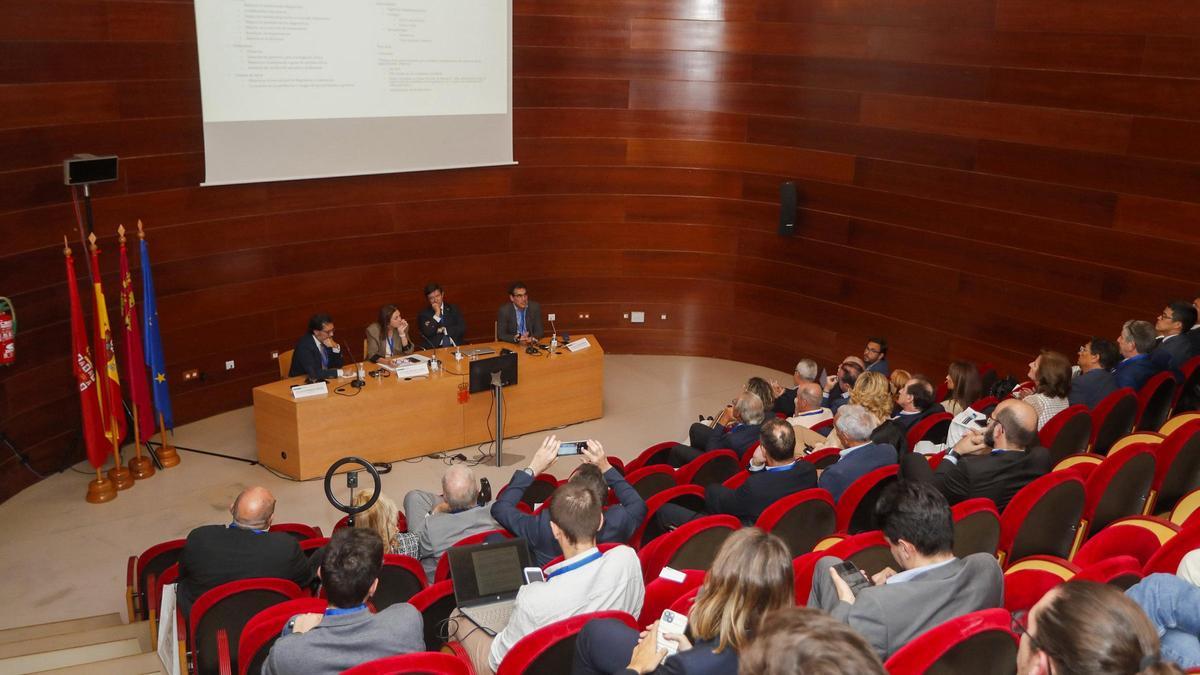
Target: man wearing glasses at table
pixel 519 321
pixel 317 356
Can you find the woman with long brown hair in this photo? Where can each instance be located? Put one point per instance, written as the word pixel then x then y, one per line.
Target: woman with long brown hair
pixel 752 575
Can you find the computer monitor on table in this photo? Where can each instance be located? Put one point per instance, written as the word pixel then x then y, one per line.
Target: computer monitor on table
pixel 481 372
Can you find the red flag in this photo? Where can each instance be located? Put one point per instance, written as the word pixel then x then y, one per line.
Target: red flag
pixel 98 445
pixel 135 363
pixel 110 398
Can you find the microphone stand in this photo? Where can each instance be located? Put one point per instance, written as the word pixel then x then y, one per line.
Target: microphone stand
pixel 498 392
pixel 457 351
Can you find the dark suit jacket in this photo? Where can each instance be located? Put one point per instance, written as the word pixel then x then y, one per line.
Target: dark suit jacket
pixel 1173 353
pixel 890 432
pixel 699 660
pixel 620 520
pixel 306 360
pixel 854 466
pixel 997 476
pixel 1134 371
pixel 453 321
pixel 785 403
pixel 761 489
pixel 881 366
pixel 836 399
pixel 216 554
pixel 739 438
pixel 1193 338
pixel 506 321
pixel 907 422
pixel 1091 388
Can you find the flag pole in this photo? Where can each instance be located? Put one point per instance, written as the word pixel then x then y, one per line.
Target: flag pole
pixel 119 475
pixel 100 490
pixel 167 455
pixel 141 467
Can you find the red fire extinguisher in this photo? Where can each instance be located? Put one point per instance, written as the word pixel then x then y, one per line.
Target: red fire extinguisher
pixel 8 329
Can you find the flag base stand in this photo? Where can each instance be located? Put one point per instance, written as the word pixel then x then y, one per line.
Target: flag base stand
pixel 141 467
pixel 167 456
pixel 120 477
pixel 101 490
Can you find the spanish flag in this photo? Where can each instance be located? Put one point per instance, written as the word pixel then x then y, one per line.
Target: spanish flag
pixel 111 409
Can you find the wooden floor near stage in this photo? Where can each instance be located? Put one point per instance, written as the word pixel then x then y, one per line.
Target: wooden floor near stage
pixel 64 558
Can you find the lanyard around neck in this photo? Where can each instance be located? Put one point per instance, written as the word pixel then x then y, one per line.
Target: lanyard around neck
pixel 575 565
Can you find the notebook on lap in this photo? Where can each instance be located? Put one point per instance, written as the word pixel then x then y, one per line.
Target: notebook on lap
pixel 486 579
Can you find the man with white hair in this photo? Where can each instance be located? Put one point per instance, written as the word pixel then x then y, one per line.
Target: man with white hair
pixel 854 426
pixel 806 371
pixel 747 422
pixel 440 521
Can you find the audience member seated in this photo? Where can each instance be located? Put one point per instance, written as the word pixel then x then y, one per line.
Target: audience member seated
pixel 440 521
pixel 751 575
pixel 861 456
pixel 381 519
pixel 1086 628
pixel 596 474
pixel 1135 343
pixel 963 387
pixel 388 336
pixel 994 462
pixel 244 549
pixel 746 418
pixel 837 387
pixel 1172 602
pixel 586 581
pixel 774 474
pixel 807 370
pixel 347 634
pixel 916 403
pixel 875 356
pixel 1174 349
pixel 934 585
pixel 763 390
pixel 1051 374
pixel 1193 335
pixel 873 392
pixel 897 380
pixel 809 413
pixel 1095 380
pixel 803 641
pixel 316 356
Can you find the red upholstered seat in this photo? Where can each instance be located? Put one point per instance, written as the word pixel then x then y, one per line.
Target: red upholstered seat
pixel 442 572
pixel 868 550
pixel 714 466
pixel 1027 580
pixel 823 427
pixel 662 592
pixel 735 481
pixel 976 527
pixel 650 456
pixel 1154 401
pixel 1115 540
pixel 683 604
pixel 688 496
pixel 152 561
pixel 1121 571
pixel 1067 433
pixel 1187 509
pixel 1113 418
pixel 932 428
pixel 749 453
pixel 261 631
pixel 651 480
pixel 550 650
pixel 856 506
pixel 230 606
pixel 308 546
pixel 298 530
pixel 539 490
pixel 692 545
pixel 1187 395
pixel 400 578
pixel 823 458
pixel 980 643
pixel 1166 559
pixel 430 663
pixel 801 519
pixel 1042 518
pixel 1118 487
pixel 984 403
pixel 1178 467
pixel 435 603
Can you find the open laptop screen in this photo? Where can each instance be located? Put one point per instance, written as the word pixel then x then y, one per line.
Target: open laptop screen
pixel 488 570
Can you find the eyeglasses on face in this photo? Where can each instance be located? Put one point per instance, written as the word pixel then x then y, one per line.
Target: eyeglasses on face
pixel 1020 626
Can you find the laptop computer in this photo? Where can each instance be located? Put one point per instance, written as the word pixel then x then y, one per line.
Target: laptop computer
pixel 486 579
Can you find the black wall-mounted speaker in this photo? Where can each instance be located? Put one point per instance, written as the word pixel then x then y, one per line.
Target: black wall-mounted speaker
pixel 787 209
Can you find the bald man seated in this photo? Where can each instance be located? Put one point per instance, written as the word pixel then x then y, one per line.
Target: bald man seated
pixel 993 462
pixel 243 549
pixel 440 521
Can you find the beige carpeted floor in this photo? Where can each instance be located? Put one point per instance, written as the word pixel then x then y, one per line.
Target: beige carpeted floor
pixel 64 558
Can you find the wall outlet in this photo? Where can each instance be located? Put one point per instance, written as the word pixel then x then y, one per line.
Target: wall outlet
pixel 229 365
pixel 275 355
pixel 637 317
pixel 625 315
pixel 550 317
pixel 191 374
pixel 663 317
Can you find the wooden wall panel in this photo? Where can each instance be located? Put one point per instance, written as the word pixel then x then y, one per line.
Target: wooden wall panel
pixel 977 179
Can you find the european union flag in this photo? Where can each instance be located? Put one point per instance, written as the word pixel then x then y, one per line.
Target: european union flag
pixel 154 351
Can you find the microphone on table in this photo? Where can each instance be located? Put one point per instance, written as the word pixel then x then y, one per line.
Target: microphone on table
pixel 553 336
pixel 457 351
pixel 360 379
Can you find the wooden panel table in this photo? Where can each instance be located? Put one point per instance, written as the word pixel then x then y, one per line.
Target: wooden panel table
pixel 391 419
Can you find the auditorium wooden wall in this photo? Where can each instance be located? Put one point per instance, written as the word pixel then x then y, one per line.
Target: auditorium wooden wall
pixel 978 178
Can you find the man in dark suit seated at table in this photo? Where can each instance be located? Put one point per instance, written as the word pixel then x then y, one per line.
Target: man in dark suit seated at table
pixel 441 324
pixel 317 356
pixel 933 587
pixel 1095 380
pixel 994 462
pixel 243 549
pixel 774 474
pixel 1174 349
pixel 1135 344
pixel 596 474
pixel 739 436
pixel 916 403
pixel 854 426
pixel 520 320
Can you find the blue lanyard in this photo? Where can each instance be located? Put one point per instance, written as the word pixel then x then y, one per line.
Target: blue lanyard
pixel 785 467
pixel 338 611
pixel 521 321
pixel 235 526
pixel 810 412
pixel 574 566
pixel 391 344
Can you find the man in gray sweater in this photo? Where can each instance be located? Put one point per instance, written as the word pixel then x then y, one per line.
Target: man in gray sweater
pixel 441 521
pixel 347 633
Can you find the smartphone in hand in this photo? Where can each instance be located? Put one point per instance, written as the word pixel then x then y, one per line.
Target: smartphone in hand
pixel 672 623
pixel 854 577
